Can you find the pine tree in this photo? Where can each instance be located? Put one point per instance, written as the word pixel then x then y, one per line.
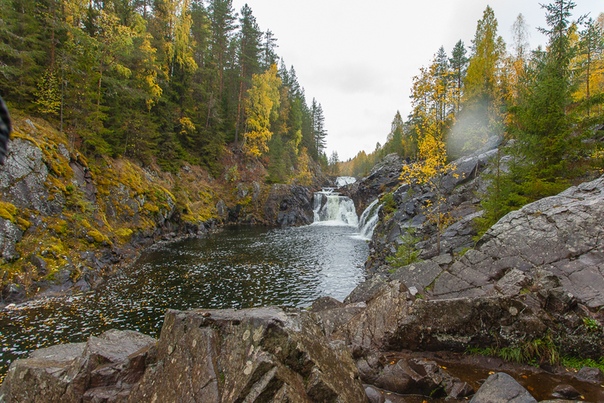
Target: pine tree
pixel 318 127
pixel 222 17
pixel 590 62
pixel 269 44
pixel 543 118
pixel 542 122
pixel 459 65
pixel 248 58
pixel 481 116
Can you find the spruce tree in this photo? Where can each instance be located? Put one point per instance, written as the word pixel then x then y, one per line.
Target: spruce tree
pixel 459 66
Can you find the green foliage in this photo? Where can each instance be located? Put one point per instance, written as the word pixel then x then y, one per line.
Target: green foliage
pixel 406 252
pixel 167 81
pixel 548 152
pixel 534 352
pixel 592 324
pixel 388 203
pixel 578 363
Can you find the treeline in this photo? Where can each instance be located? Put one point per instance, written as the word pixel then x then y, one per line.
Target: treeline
pixel 545 98
pixel 546 105
pixel 159 80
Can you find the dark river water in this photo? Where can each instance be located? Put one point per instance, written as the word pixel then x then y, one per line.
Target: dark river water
pixel 236 268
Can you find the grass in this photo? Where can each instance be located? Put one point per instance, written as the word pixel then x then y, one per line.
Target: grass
pixel 532 352
pixel 536 352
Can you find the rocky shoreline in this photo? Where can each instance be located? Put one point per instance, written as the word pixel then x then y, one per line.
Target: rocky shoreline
pixel 67 223
pixel 530 289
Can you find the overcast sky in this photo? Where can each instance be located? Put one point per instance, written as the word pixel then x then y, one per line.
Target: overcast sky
pixel 358 58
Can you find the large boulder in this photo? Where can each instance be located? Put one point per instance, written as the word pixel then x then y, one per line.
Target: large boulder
pixel 409 207
pixel 262 354
pixel 538 275
pixel 23 179
pixel 502 388
pixel 258 354
pixel 103 369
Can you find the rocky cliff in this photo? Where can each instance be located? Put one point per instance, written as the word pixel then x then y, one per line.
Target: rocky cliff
pixel 66 221
pixel 529 290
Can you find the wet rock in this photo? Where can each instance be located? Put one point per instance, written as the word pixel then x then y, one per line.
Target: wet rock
pixel 382 178
pixel 396 378
pixel 564 391
pixel 13 293
pixel 502 388
pixel 259 354
pixel 103 368
pixel 591 375
pixel 419 376
pixel 374 395
pixel 289 205
pixel 222 209
pixel 369 367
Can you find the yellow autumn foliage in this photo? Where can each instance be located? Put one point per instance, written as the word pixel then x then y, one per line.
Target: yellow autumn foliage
pixel 263 98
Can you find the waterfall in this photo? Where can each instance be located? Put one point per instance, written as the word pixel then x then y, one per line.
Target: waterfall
pixel 330 207
pixel 369 219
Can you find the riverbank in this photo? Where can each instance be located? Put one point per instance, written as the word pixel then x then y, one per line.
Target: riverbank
pixel 67 222
pixel 529 290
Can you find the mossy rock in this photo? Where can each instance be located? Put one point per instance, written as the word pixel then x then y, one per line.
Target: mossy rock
pixel 8 211
pixel 124 234
pixel 98 237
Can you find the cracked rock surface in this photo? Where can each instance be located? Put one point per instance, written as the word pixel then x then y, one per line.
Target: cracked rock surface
pixel 560 235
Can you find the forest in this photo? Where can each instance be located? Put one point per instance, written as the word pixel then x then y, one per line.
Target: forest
pixel 546 106
pixel 183 81
pixel 166 81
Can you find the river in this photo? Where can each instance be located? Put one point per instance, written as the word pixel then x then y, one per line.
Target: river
pixel 238 267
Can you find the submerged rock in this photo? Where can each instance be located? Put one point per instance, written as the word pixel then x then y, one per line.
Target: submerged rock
pixel 502 388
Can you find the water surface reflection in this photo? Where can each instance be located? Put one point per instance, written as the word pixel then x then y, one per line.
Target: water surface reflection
pixel 236 268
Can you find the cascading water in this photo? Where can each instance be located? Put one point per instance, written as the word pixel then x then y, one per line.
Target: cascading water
pixel 369 219
pixel 331 207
